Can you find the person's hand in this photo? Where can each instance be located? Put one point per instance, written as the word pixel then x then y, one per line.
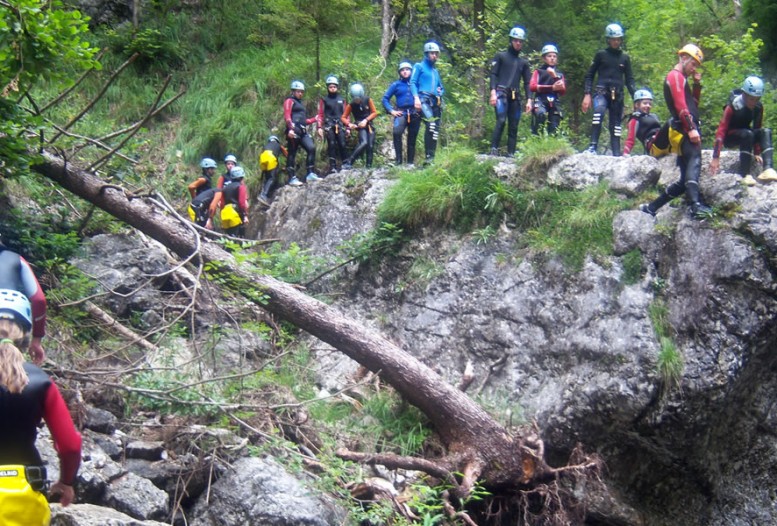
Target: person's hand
pixel 396 113
pixel 291 134
pixel 37 353
pixel 586 103
pixel 209 224
pixel 529 105
pixel 321 133
pixel 559 85
pixel 694 136
pixel 714 166
pixel 759 160
pixel 363 123
pixel 66 493
pixel 492 99
pixel 417 103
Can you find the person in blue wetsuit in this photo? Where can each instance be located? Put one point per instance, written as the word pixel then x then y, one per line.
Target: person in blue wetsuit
pixel 426 87
pixel 404 113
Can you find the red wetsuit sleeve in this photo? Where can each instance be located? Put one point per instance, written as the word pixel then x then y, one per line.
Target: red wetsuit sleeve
pixel 346 114
pixel 67 441
pixel 287 104
pixel 676 82
pixel 242 199
pixel 534 82
pixel 373 111
pixel 720 134
pixel 34 293
pixel 320 116
pixel 630 137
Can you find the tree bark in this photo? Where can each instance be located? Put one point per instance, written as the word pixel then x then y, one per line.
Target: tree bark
pixel 478 446
pixel 388 35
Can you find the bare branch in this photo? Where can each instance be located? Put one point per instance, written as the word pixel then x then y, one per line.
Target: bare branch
pixel 111 322
pixel 69 90
pixel 133 126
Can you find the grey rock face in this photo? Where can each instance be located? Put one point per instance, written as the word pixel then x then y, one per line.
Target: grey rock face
pixel 259 492
pixel 91 515
pixel 578 352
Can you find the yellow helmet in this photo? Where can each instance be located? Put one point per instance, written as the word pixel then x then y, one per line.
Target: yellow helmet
pixel 693 52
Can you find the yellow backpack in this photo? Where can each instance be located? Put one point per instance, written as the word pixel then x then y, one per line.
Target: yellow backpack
pixel 20 505
pixel 229 217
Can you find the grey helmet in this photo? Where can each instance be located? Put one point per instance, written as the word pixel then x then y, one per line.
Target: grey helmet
pixel 431 47
pixel 230 159
pixel 404 65
pixel 207 162
pixel 273 138
pixel 357 91
pixel 331 79
pixel 642 94
pixel 237 173
pixel 15 306
pixel 548 48
pixel 753 86
pixel 613 31
pixel 297 85
pixel 518 33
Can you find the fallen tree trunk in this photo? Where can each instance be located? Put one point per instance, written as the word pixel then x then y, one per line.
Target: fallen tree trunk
pixel 478 446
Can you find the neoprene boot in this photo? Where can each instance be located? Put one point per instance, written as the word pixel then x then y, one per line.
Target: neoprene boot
pixel 615 144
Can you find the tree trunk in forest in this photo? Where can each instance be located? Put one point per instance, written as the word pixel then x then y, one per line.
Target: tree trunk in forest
pixel 388 35
pixel 478 14
pixel 478 446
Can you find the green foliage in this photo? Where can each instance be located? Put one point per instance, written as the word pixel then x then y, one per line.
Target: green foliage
pixel 670 363
pixel 763 13
pixel 570 224
pixel 154 47
pixel 539 152
pixel 380 242
pixel 632 267
pixel 170 391
pixel 453 191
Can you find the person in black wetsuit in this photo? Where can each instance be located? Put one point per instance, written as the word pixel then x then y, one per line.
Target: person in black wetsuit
pixel 643 125
pixel 548 85
pixel 507 70
pixel 268 162
pixel 363 111
pixel 297 122
pixel 330 109
pixel 612 67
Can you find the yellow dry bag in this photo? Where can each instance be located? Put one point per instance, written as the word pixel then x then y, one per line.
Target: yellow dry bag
pixel 268 161
pixel 229 217
pixel 20 505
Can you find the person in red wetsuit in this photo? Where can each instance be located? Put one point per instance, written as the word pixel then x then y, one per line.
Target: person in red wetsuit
pixel 643 124
pixel 234 204
pixel 548 85
pixel 27 396
pixel 682 133
pixel 16 274
pixel 742 125
pixel 363 111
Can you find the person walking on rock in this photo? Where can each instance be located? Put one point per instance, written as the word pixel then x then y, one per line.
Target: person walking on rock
pixel 27 397
pixel 742 125
pixel 682 133
pixel 612 69
pixel 268 162
pixel 234 204
pixel 405 116
pixel 427 89
pixel 297 122
pixel 508 68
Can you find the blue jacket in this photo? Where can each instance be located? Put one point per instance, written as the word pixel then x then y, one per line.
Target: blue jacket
pixel 400 90
pixel 426 79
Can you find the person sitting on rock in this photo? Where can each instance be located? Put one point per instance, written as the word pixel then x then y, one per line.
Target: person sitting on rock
pixel 643 124
pixel 363 110
pixel 27 397
pixel 268 162
pixel 742 125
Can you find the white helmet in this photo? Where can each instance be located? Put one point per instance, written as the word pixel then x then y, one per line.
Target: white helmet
pixel 753 86
pixel 357 91
pixel 404 65
pixel 296 84
pixel 642 94
pixel 237 173
pixel 613 31
pixel 518 33
pixel 273 138
pixel 331 79
pixel 548 48
pixel 207 162
pixel 230 159
pixel 15 306
pixel 431 47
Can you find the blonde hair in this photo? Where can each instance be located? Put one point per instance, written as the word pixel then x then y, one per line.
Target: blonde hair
pixel 12 374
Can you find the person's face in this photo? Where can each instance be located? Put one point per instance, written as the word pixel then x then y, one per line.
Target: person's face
pixel 644 105
pixel 551 59
pixel 404 73
pixel 433 56
pixel 332 88
pixel 230 165
pixel 210 171
pixel 516 43
pixel 615 43
pixel 689 64
pixel 750 101
pixel 298 93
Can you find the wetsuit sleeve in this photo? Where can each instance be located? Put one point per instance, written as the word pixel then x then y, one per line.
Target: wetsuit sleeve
pixel 67 441
pixel 415 79
pixel 439 83
pixel 284 151
pixel 629 74
pixel 526 79
pixel 534 81
pixel 346 114
pixel 676 82
pixel 196 184
pixel 242 200
pixel 627 147
pixel 720 134
pixel 373 111
pixel 34 293
pixel 493 76
pixel 386 101
pixel 563 90
pixel 287 104
pixel 589 76
pixel 220 184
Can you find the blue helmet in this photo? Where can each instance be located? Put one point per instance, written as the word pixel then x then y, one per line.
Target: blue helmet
pixel 237 173
pixel 207 162
pixel 15 306
pixel 753 86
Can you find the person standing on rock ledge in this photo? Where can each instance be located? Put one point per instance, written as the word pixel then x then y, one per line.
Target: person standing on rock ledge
pixel 683 132
pixel 741 125
pixel 27 396
pixel 427 90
